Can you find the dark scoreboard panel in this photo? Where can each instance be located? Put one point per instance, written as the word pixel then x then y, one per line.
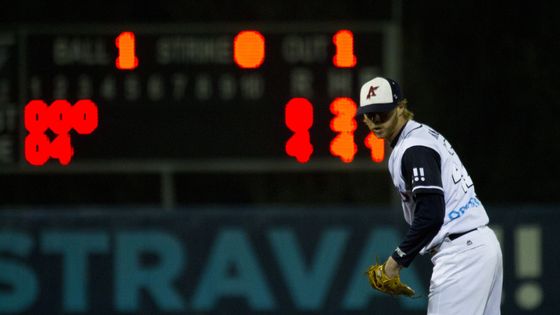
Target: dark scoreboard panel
pixel 9 106
pixel 188 99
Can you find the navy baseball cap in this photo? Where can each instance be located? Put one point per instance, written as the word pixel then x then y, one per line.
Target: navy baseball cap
pixel 379 95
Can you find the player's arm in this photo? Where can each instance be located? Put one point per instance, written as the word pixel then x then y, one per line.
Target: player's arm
pixel 421 169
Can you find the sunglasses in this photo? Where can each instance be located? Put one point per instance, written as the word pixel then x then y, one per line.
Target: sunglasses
pixel 379 117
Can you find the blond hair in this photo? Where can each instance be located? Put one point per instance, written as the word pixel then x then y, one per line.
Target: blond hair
pixel 407 114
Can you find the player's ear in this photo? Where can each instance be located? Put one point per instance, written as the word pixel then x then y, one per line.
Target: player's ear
pixel 400 109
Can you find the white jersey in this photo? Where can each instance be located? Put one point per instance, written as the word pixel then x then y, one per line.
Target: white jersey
pixel 463 210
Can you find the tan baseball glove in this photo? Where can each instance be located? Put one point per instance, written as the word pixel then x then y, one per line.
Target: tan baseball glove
pixel 380 281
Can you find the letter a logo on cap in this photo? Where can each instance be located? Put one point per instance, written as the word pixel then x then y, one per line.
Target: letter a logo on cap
pixel 371 91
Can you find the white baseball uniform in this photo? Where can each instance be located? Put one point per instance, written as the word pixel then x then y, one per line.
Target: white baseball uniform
pixel 448 221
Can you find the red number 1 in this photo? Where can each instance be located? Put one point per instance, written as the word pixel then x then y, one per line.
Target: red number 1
pixel 376 146
pixel 126 43
pixel 344 42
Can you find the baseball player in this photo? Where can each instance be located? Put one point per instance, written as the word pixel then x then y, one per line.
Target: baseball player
pixel 446 218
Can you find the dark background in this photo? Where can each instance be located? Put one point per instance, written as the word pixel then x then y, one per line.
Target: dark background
pixel 484 74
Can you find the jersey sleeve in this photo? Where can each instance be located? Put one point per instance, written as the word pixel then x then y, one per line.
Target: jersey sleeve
pixel 421 170
pixel 428 219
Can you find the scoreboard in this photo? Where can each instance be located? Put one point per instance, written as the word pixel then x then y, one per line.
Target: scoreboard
pixel 274 95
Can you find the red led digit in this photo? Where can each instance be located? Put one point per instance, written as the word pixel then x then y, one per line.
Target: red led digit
pixel 126 43
pixel 344 43
pixel 37 148
pixel 36 121
pixel 61 149
pixel 35 116
pixel 376 146
pixel 299 146
pixel 249 49
pixel 343 145
pixel 84 117
pixel 299 119
pixel 59 117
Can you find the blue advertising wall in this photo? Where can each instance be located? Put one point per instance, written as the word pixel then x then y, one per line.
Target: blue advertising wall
pixel 265 260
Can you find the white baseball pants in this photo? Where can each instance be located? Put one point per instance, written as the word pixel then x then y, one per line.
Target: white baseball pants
pixel 467 276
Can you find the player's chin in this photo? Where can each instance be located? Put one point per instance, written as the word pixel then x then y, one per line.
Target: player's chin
pixel 379 132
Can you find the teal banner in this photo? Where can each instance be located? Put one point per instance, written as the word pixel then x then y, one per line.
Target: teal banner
pixel 241 261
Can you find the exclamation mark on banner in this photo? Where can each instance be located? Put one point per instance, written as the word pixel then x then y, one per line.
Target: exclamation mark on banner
pixel 528 266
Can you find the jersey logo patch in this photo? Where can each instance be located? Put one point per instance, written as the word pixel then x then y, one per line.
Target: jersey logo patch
pixel 418 174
